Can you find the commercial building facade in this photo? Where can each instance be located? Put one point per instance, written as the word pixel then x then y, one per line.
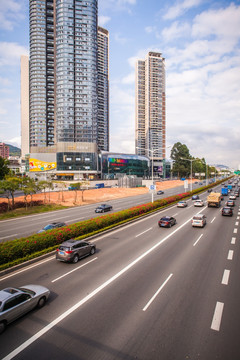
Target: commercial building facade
pixel 68 84
pixel 150 110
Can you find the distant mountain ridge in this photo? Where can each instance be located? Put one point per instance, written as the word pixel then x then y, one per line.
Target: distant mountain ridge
pixel 14 150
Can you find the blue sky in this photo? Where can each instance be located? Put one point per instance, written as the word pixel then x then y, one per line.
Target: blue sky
pixel 200 40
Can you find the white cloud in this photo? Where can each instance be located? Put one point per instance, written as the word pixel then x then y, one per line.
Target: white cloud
pixel 10 53
pixel 180 8
pixel 175 31
pixel 103 20
pixel 223 23
pixel 11 12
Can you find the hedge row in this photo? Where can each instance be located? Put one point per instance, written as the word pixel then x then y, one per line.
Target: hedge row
pixel 23 247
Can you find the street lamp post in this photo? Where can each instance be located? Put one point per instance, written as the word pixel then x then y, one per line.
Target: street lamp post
pixel 152 151
pixel 191 160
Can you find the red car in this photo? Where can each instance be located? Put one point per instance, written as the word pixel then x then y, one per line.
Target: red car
pixel 167 221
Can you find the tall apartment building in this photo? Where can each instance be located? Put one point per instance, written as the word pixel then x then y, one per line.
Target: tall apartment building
pixel 103 89
pixel 150 109
pixel 68 96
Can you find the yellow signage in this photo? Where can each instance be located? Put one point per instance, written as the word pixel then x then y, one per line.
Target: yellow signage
pixel 38 165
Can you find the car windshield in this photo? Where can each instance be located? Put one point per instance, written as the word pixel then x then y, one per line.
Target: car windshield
pixel 197 218
pixel 27 291
pixel 165 218
pixel 48 227
pixel 64 248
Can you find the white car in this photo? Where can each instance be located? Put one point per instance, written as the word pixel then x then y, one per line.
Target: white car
pixel 232 197
pixel 199 220
pixel 182 204
pixel 199 203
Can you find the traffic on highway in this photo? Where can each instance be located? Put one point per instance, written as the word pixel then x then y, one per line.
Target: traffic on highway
pixel 146 292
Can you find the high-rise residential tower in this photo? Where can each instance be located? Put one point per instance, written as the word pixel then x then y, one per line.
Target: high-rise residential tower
pixel 68 100
pixel 150 121
pixel 103 89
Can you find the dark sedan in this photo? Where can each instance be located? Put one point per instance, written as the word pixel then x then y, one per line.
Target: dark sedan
pixel 160 192
pixel 195 197
pixel 227 211
pixel 102 208
pixel 167 221
pixel 51 226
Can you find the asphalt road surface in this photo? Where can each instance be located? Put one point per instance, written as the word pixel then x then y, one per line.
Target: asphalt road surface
pixel 148 293
pixel 21 227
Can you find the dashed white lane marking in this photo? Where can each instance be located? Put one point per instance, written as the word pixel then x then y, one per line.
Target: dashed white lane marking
pixel 235 231
pixel 225 277
pixel 157 292
pixel 213 220
pixel 236 223
pixel 143 232
pixel 69 272
pixel 230 255
pixel 197 240
pixel 217 317
pixel 233 241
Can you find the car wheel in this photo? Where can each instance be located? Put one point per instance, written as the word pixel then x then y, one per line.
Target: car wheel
pixel 170 225
pixel 41 302
pixel 92 251
pixel 75 259
pixel 3 325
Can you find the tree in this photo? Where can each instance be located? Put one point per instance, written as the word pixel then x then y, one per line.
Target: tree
pixel 4 170
pixel 10 185
pixel 29 187
pixel 178 153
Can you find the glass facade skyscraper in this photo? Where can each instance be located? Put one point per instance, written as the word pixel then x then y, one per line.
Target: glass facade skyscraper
pixel 68 94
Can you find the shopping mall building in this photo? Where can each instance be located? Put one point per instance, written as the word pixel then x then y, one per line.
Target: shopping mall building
pixel 77 166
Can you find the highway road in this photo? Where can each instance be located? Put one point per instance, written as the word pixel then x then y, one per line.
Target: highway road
pixel 148 293
pixel 28 225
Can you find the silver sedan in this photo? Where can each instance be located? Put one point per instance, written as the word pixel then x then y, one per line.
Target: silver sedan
pixel 15 302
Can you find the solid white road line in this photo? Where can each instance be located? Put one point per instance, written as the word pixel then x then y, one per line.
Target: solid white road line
pixel 5 237
pixel 197 240
pixel 45 329
pixel 230 255
pixel 217 317
pixel 225 277
pixel 143 232
pixel 60 277
pixel 233 241
pixel 157 292
pixel 27 268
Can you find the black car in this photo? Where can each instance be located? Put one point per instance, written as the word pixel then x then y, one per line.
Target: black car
pixel 227 211
pixel 160 192
pixel 102 208
pixel 51 226
pixel 209 190
pixel 73 250
pixel 167 221
pixel 195 197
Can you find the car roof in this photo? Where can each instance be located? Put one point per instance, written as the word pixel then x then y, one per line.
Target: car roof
pixel 7 293
pixel 71 242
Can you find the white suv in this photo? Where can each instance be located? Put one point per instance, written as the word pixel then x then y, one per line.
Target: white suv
pixel 199 220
